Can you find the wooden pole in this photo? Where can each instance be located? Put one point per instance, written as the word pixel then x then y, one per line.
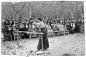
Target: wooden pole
pixel 42 42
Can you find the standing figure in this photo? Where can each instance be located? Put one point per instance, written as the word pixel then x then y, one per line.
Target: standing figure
pixel 69 28
pixel 5 30
pixel 77 27
pixel 73 27
pixel 40 24
pixel 11 29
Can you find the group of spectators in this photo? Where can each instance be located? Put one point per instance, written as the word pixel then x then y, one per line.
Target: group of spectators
pixel 9 25
pixel 71 26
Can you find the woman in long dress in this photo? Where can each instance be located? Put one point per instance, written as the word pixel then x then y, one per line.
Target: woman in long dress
pixel 40 24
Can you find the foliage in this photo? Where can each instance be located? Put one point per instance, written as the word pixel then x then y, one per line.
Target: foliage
pixel 52 9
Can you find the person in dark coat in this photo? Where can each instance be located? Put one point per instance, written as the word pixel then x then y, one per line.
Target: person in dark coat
pixel 5 30
pixel 69 28
pixel 77 28
pixel 11 31
pixel 40 24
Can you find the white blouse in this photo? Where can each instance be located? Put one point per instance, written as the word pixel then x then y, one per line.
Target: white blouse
pixel 39 24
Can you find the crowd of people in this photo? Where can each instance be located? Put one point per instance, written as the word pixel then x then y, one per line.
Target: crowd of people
pixel 10 25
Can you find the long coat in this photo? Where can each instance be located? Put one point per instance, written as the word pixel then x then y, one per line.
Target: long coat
pixel 6 32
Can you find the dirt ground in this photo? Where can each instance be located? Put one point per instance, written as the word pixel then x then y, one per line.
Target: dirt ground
pixel 68 45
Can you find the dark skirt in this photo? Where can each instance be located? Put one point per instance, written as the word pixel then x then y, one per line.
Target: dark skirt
pixel 45 40
pixel 7 36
